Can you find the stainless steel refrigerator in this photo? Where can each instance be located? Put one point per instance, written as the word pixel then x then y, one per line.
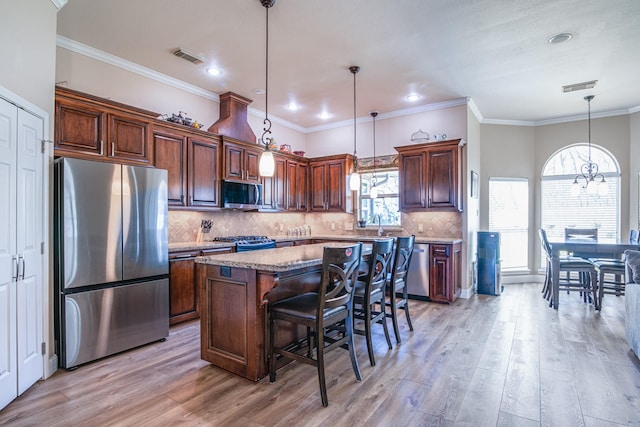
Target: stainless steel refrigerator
pixel 110 259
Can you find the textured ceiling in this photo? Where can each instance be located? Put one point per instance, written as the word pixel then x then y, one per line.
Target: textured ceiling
pixel 492 51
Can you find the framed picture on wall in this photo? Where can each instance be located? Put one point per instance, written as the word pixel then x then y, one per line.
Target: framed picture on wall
pixel 474 185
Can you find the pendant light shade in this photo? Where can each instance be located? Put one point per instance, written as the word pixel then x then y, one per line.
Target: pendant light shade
pixel 354 180
pixel 267 163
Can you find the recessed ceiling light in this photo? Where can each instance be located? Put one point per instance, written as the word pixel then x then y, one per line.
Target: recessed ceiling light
pixel 324 115
pixel 413 97
pixel 560 38
pixel 292 106
pixel 260 91
pixel 214 71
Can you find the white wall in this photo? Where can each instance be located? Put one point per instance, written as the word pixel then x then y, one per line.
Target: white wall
pixel 27 43
pixel 471 218
pixel 507 151
pixel 85 74
pixel 390 132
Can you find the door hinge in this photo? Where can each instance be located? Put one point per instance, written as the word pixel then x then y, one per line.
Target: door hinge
pixel 42 248
pixel 42 146
pixel 44 348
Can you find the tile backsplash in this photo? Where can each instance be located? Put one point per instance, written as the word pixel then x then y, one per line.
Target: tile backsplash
pixel 183 225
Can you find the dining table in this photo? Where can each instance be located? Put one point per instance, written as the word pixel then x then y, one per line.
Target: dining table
pixel 601 248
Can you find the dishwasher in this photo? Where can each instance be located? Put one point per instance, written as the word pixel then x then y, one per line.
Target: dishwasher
pixel 418 275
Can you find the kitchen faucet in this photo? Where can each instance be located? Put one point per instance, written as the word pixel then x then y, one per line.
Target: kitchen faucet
pixel 380 229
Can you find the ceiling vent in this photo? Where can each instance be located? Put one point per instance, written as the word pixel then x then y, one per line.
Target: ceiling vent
pixel 579 86
pixel 189 56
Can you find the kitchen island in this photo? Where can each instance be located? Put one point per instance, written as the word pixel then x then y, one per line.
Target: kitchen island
pixel 234 290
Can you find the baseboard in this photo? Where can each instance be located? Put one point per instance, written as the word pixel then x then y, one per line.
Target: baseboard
pixel 52 366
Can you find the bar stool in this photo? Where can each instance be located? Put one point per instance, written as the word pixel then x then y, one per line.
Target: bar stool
pixel 397 283
pixel 611 277
pixel 370 292
pixel 327 314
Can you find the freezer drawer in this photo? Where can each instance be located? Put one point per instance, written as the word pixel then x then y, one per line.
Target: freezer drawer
pixel 102 322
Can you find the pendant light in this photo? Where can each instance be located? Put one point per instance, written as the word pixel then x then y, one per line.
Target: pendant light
pixel 373 191
pixel 354 181
pixel 267 163
pixel 594 182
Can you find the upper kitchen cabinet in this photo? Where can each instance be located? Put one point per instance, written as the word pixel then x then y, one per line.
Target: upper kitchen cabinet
pixel 430 176
pixel 95 128
pixel 191 158
pixel 241 160
pixel 329 191
pixel 286 190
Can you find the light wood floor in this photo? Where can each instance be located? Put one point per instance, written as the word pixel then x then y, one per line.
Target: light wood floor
pixel 485 361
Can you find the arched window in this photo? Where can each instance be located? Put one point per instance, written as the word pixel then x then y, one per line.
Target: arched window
pixel 560 207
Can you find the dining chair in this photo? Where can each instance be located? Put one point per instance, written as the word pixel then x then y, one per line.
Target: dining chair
pixel 397 282
pixel 581 233
pixel 585 282
pixel 327 315
pixel 370 293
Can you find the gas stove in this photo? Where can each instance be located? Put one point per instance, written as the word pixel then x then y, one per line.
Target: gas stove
pixel 248 243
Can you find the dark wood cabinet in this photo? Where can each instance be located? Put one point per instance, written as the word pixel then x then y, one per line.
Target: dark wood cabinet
pixel 328 187
pixel 430 176
pixel 204 183
pixel 129 139
pixel 80 129
pixel 274 187
pixel 241 161
pixel 170 153
pixel 445 274
pixel 191 159
pixel 297 185
pixel 286 190
pixel 184 303
pixel 183 291
pixel 98 129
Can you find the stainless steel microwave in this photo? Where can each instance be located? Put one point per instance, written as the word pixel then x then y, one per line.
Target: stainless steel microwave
pixel 241 195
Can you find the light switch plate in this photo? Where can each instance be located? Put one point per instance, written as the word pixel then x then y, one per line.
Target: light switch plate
pixel 420 228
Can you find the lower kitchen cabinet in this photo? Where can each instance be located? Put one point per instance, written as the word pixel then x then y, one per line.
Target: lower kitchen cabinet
pixel 445 275
pixel 183 289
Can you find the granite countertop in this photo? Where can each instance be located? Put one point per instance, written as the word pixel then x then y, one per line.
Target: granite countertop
pixel 275 260
pixel 194 246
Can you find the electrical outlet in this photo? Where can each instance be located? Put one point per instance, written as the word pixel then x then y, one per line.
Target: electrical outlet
pixel 333 226
pixel 420 228
pixel 281 227
pixel 348 226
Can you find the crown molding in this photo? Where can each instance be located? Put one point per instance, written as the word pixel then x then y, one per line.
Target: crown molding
pixel 116 61
pixel 59 4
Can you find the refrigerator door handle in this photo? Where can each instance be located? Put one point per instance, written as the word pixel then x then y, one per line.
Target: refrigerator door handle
pixel 18 264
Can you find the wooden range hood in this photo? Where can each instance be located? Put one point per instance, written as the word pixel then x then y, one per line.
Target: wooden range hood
pixel 233 118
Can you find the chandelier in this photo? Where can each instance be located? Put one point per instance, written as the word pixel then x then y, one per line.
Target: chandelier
pixel 267 162
pixel 592 181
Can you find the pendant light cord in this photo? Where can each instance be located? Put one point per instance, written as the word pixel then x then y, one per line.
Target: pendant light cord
pixel 267 123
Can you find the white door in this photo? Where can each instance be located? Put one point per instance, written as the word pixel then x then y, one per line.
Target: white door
pixel 21 168
pixel 8 257
pixel 29 240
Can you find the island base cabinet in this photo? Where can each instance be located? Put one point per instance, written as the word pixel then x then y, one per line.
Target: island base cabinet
pixel 445 273
pixel 233 314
